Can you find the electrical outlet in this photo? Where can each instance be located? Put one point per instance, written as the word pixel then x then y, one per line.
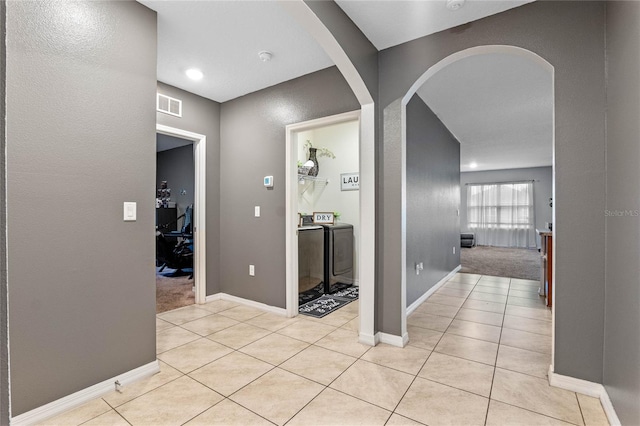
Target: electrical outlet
pixel 419 267
pixel 252 270
pixel 256 211
pixel 454 249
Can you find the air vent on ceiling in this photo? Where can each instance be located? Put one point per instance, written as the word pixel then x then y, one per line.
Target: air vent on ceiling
pixel 169 105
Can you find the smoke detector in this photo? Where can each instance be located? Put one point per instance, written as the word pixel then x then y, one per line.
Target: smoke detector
pixel 265 56
pixel 455 4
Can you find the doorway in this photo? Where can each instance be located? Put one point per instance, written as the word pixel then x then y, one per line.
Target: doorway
pixel 337 141
pixel 174 223
pixel 182 239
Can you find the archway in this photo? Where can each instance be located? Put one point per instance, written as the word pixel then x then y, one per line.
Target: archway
pixel 397 112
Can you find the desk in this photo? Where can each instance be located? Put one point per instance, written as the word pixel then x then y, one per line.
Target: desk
pixel 546 261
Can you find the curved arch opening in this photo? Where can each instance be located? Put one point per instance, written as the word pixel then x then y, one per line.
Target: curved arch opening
pixel 401 107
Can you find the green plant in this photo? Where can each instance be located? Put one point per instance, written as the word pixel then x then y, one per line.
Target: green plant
pixel 321 152
pixel 336 215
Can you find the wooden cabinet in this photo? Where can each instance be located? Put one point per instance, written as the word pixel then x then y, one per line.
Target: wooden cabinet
pixel 546 275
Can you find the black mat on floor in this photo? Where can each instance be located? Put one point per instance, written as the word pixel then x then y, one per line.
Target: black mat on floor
pixel 323 305
pixel 318 291
pixel 341 295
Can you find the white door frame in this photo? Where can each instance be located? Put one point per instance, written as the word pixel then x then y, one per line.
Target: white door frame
pixel 199 208
pixel 366 285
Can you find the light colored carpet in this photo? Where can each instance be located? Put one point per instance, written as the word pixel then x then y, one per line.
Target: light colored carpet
pixel 501 262
pixel 173 292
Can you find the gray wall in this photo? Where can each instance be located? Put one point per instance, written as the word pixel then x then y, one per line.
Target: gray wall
pixel 252 146
pixel 570 35
pixel 433 196
pixel 542 190
pixel 177 168
pixel 201 115
pixel 622 335
pixel 4 330
pixel 81 281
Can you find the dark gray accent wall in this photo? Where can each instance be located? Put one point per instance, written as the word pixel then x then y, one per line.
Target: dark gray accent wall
pixel 5 413
pixel 177 168
pixel 81 82
pixel 570 36
pixel 253 146
pixel 622 313
pixel 542 190
pixel 433 196
pixel 201 115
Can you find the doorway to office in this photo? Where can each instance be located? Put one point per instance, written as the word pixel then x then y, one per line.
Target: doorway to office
pixel 180 217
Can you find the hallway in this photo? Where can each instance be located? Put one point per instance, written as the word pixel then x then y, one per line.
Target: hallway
pixel 479 352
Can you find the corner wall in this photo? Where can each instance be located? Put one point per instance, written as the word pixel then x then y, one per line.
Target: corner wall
pixel 433 196
pixel 622 243
pixel 253 146
pixel 81 82
pixel 201 115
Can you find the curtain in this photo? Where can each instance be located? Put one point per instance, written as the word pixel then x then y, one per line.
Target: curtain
pixel 502 214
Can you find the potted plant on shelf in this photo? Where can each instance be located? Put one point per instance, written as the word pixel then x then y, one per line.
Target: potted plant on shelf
pixel 314 153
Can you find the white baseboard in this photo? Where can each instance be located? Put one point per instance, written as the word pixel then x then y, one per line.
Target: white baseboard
pixel 393 340
pixel 212 297
pixel 37 415
pixel 432 290
pixel 585 387
pixel 368 339
pixel 247 302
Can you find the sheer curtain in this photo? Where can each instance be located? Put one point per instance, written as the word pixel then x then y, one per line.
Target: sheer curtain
pixel 502 214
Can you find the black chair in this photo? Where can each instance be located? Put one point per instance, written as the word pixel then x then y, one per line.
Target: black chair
pixel 174 249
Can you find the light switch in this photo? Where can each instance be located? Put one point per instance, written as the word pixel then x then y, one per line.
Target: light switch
pixel 129 211
pixel 257 211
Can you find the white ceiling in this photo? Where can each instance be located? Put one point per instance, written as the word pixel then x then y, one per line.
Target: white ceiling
pixel 494 117
pixel 388 23
pixel 499 106
pixel 223 39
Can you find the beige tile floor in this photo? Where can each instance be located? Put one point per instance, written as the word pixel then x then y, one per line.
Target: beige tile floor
pixel 478 354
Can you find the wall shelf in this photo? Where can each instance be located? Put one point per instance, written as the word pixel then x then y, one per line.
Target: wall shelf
pixel 306 182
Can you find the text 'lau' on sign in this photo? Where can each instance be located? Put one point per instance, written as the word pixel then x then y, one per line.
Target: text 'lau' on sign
pixel 349 181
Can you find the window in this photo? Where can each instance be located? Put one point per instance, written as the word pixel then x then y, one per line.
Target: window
pixel 502 214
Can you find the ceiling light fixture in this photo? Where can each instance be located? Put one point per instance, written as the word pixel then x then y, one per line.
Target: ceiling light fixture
pixel 455 4
pixel 265 56
pixel 194 74
pixel 473 165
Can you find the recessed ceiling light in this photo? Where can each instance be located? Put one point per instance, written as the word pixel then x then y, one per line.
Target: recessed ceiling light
pixel 265 56
pixel 194 74
pixel 473 165
pixel 455 4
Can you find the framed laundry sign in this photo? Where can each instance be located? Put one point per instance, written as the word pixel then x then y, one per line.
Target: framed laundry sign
pixel 350 181
pixel 323 218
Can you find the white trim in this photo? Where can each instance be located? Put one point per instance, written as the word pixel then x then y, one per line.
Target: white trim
pixel 367 248
pixel 432 290
pixel 291 226
pixel 368 339
pixel 247 302
pixel 392 339
pixel 585 387
pixel 212 298
pixel 199 209
pixel 37 415
pixel 403 219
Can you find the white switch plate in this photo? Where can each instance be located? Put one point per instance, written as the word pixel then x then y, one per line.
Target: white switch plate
pixel 129 211
pixel 252 270
pixel 454 250
pixel 257 211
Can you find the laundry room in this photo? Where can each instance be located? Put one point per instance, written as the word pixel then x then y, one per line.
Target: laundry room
pixel 328 207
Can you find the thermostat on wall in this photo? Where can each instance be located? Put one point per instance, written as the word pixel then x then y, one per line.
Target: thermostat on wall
pixel 268 181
